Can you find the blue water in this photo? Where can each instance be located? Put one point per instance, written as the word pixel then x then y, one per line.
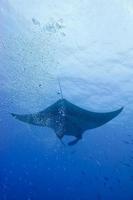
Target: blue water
pixel 88 44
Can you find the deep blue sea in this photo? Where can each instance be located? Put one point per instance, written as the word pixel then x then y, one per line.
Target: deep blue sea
pixel 88 44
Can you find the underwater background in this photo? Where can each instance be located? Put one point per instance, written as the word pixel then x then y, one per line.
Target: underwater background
pixel 89 45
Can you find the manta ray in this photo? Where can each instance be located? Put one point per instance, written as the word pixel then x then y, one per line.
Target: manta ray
pixel 65 118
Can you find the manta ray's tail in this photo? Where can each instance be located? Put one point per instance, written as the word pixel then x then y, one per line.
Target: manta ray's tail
pixel 60 88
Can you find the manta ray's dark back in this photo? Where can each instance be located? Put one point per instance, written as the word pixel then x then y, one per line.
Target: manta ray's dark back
pixel 66 118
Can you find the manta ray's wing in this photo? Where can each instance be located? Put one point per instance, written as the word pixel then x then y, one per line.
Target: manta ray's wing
pixel 46 117
pixel 79 120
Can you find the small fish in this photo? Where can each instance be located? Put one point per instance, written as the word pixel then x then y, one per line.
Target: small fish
pixel 126 164
pixel 126 142
pixel 129 135
pixel 35 22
